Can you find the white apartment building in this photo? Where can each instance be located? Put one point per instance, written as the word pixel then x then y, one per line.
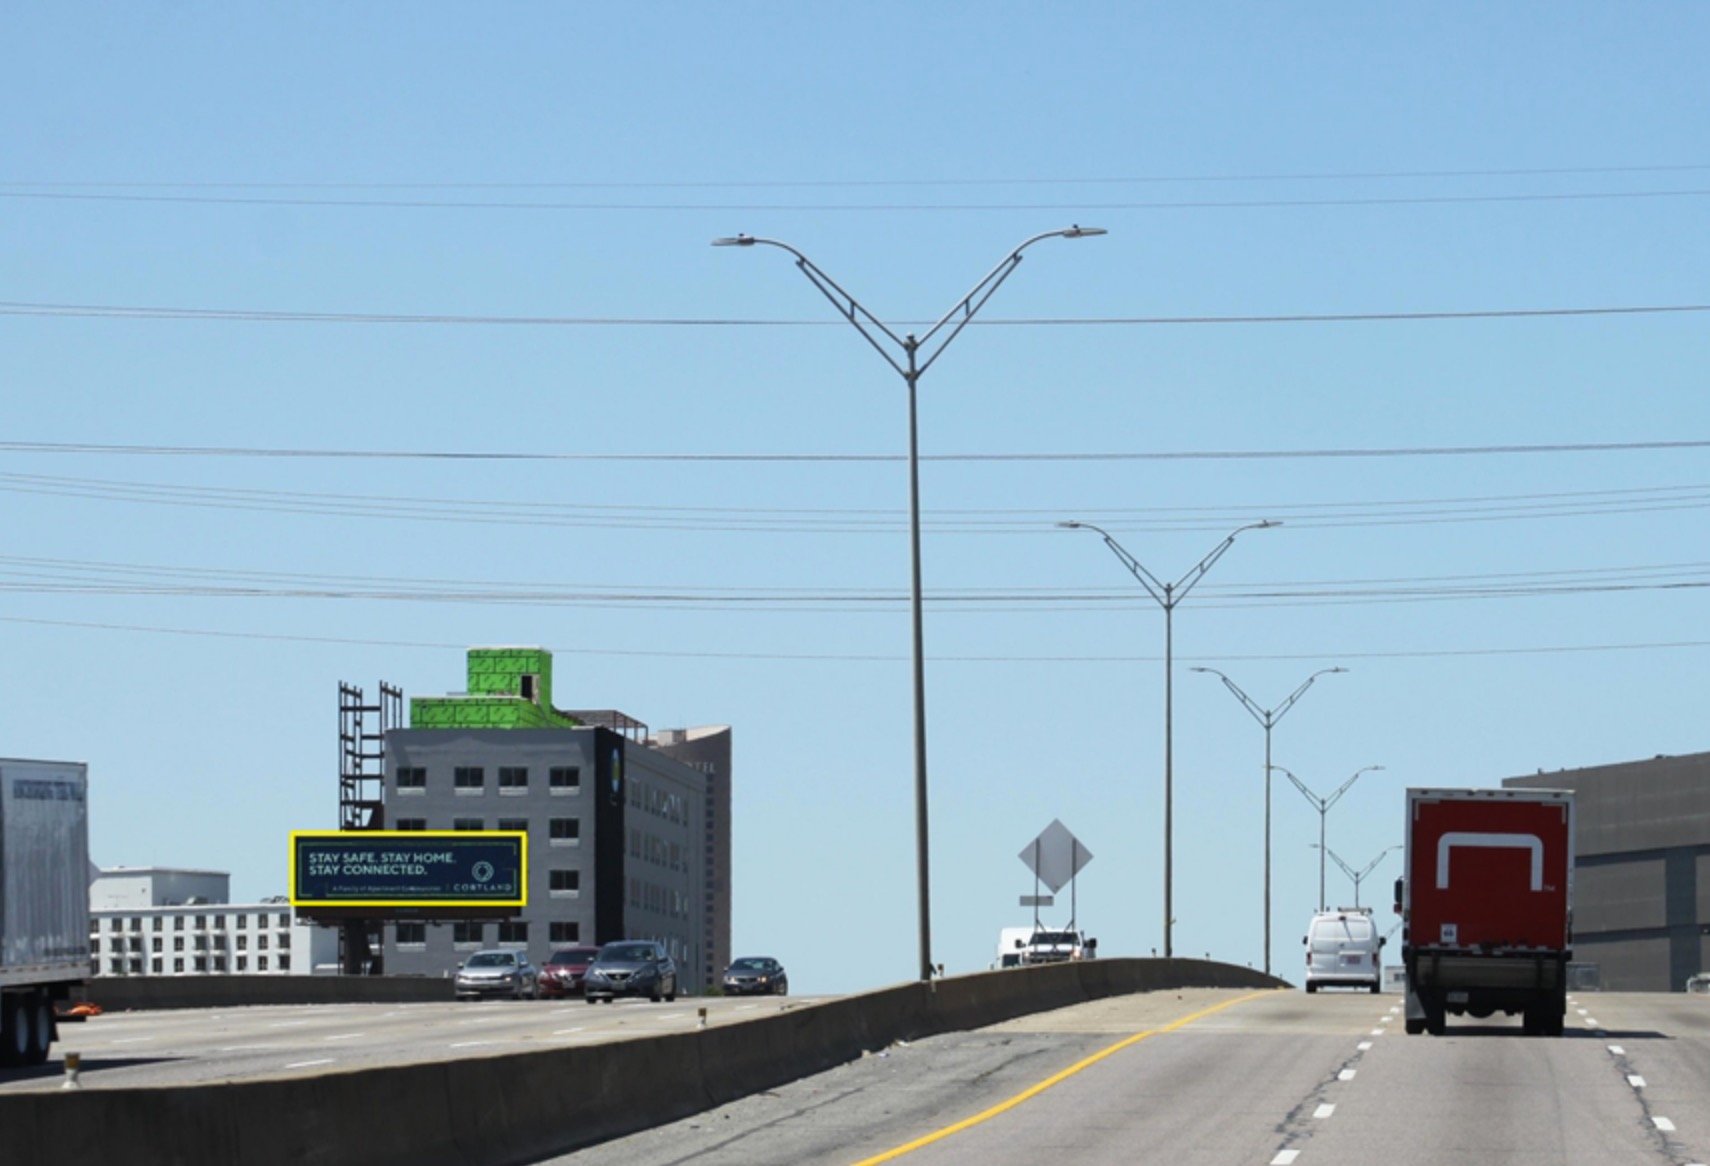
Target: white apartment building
pixel 159 921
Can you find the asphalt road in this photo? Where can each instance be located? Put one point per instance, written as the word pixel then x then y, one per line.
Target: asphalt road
pixel 204 1046
pixel 1273 1078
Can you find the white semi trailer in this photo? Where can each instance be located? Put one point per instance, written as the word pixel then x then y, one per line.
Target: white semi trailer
pixel 44 900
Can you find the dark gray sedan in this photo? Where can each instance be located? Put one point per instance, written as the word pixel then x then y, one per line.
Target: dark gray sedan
pixel 631 967
pixel 758 975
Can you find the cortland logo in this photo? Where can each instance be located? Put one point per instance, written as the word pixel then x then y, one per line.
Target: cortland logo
pixel 1527 842
pixel 616 776
pixel 482 872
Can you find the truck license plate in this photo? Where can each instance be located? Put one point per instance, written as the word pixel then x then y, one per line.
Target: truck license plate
pixel 1457 997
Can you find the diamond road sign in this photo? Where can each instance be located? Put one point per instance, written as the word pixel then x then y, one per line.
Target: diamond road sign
pixel 1056 856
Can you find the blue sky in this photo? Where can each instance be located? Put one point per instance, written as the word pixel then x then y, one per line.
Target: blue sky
pixel 436 229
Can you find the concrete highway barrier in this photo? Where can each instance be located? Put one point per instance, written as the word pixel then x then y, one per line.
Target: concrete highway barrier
pixel 499 1110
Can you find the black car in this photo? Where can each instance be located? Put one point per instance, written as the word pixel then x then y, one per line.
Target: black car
pixel 631 967
pixel 756 976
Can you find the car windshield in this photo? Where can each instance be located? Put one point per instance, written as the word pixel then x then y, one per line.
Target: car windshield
pixel 1054 937
pixel 631 953
pixel 571 956
pixel 751 965
pixel 492 959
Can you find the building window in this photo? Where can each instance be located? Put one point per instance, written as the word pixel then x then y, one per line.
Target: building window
pixel 219 963
pixel 243 943
pixel 513 931
pixel 517 824
pixel 468 824
pixel 561 932
pixel 564 831
pixel 565 882
pixel 565 779
pixel 178 965
pixel 243 963
pixel 178 923
pixel 155 966
pixel 261 963
pixel 157 923
pixel 201 963
pixel 177 943
pixel 284 963
pixel 412 779
pixel 513 779
pixel 155 944
pixel 261 943
pixel 412 823
pixel 468 934
pixel 282 921
pixel 94 947
pixel 411 933
pixel 469 779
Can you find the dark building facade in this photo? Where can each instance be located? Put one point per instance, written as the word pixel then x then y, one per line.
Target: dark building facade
pixel 1642 869
pixel 624 838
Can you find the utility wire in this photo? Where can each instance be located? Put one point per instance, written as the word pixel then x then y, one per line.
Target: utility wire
pixel 272 316
pixel 846 207
pixel 828 657
pixel 239 451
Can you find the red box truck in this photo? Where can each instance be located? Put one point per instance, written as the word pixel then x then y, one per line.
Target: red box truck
pixel 1487 906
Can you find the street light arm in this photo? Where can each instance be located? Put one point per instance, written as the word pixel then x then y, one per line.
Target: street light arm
pixel 1299 692
pixel 1265 718
pixel 850 308
pixel 1318 803
pixel 1337 859
pixel 1186 583
pixel 1154 586
pixel 1348 785
pixel 965 308
pixel 1372 865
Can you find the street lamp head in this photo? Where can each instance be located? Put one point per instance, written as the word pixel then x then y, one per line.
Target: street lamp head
pixel 1079 232
pixel 734 241
pixel 1268 523
pixel 1070 524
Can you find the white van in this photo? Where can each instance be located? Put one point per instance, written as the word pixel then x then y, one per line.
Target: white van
pixel 1343 950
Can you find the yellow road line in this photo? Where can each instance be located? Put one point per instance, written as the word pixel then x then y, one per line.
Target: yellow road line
pixel 1056 1078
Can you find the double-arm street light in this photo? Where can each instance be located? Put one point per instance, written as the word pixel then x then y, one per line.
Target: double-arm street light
pixel 1167 596
pixel 1322 805
pixel 911 356
pixel 1267 719
pixel 1357 876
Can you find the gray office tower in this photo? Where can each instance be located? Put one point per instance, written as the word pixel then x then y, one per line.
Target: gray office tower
pixel 1641 908
pixel 628 834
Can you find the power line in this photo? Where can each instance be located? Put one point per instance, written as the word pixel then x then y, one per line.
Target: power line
pixel 826 657
pixel 826 520
pixel 705 184
pixel 848 207
pixel 238 451
pixel 272 316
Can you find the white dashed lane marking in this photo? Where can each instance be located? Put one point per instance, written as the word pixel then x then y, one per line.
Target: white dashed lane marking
pixel 1663 1124
pixel 1618 1050
pixel 1636 1081
pixel 1324 1111
pixel 1345 1075
pixel 309 1064
pixel 1285 1157
pixel 1364 1045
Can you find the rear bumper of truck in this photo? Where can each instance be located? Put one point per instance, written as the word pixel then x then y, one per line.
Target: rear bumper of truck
pixel 1451 969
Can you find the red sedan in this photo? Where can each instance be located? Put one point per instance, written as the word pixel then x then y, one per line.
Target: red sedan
pixel 562 974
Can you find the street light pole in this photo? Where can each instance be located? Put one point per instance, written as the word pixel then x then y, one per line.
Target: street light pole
pixel 1358 876
pixel 911 367
pixel 1167 595
pixel 1322 805
pixel 1267 719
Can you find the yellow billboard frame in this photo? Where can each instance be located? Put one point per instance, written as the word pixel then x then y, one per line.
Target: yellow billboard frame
pixel 380 837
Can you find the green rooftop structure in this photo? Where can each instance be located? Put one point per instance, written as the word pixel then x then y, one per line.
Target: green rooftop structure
pixel 507 688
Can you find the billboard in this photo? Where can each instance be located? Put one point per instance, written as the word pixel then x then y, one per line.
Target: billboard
pixel 409 868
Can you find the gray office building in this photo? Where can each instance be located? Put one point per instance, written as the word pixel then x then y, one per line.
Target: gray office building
pixel 628 836
pixel 1642 869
